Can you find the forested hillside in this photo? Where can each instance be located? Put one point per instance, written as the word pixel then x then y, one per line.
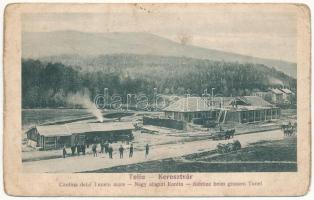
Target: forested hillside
pixel 47 82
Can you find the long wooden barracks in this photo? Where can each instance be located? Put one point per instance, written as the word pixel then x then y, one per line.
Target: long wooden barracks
pixel 56 136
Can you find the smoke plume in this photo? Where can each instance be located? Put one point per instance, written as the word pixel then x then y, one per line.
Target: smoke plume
pixel 275 81
pixel 82 99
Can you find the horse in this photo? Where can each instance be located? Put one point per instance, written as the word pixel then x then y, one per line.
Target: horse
pixel 284 126
pixel 288 130
pixel 229 133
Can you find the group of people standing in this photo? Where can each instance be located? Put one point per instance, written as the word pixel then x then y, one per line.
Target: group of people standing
pixel 79 148
pixel 104 148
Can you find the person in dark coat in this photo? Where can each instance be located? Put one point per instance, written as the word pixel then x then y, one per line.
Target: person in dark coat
pixel 102 147
pixel 106 147
pixel 87 143
pixel 121 150
pixel 94 148
pixel 83 148
pixel 73 150
pixel 110 150
pixel 131 151
pixel 109 154
pixel 146 150
pixel 78 149
pixel 64 152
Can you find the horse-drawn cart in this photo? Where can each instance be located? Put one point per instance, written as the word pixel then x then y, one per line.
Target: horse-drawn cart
pixel 230 147
pixel 223 134
pixel 289 129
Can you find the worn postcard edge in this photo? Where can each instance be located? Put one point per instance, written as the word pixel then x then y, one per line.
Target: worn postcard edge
pixel 17 183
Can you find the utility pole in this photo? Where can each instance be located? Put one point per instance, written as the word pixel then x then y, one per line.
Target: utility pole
pixel 155 99
pixel 212 98
pixel 106 97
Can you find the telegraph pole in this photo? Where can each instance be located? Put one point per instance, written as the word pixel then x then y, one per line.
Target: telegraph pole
pixel 212 98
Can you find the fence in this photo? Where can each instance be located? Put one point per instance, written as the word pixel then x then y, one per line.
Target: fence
pixel 164 122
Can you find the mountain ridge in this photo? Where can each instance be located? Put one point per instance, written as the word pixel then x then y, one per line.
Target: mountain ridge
pixel 46 44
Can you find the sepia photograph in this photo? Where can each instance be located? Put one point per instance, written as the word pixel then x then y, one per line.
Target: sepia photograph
pixel 178 99
pixel 216 95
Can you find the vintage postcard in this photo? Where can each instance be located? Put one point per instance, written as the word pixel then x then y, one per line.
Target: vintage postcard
pixel 157 99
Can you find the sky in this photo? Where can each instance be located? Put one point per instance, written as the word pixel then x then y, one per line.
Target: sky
pixel 266 33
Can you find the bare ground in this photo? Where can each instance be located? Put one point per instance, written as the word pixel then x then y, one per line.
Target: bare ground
pixel 263 156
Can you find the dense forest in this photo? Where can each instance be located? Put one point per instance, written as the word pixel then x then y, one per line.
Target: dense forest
pixel 47 82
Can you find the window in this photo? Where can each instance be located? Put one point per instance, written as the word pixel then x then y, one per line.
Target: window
pixel 243 117
pixel 257 115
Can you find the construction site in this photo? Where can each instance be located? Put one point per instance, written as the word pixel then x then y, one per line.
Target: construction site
pixel 187 126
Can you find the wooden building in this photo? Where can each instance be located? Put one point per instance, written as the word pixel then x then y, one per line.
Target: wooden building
pixel 56 136
pixel 277 96
pixel 186 109
pixel 244 109
pixel 288 95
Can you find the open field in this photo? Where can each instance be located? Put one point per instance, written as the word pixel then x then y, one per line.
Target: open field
pixel 32 117
pixel 38 116
pixel 283 150
pixel 263 156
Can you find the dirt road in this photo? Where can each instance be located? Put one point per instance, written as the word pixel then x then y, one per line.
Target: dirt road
pixel 89 163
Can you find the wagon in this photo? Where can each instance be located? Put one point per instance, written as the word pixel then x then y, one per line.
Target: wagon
pixel 224 134
pixel 288 129
pixel 230 147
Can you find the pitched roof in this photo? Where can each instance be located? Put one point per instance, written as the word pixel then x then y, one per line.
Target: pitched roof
pixel 286 90
pixel 56 130
pixel 257 101
pixel 194 104
pixel 69 129
pixel 276 91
